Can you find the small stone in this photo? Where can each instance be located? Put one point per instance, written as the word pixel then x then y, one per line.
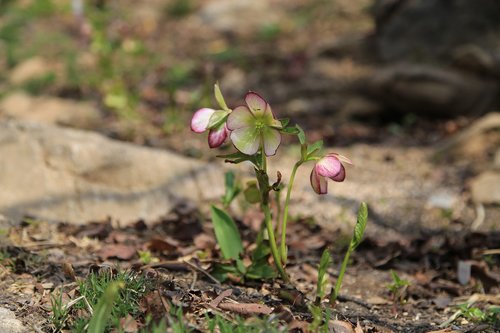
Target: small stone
pixel 486 188
pixel 9 323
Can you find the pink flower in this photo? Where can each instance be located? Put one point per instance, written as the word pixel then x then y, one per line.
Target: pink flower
pixel 330 166
pixel 253 125
pixel 213 121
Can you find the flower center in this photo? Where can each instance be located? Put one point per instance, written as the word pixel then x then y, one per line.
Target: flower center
pixel 259 124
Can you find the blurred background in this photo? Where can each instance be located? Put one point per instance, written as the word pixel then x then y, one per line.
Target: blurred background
pixel 418 75
pixel 383 67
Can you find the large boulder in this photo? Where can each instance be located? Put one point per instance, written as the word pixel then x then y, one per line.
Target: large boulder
pixel 432 91
pixel 433 29
pixel 49 110
pixel 77 176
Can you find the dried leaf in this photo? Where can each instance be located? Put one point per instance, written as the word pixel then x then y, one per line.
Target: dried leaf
pixel 129 324
pixel 216 301
pixel 339 326
pixel 118 251
pixel 246 308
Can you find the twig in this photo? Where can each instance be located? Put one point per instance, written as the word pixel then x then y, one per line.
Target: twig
pixel 207 274
pixel 195 278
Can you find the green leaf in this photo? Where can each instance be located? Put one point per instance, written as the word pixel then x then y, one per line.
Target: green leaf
pixel 260 271
pixel 290 130
pixel 252 193
pixel 284 121
pixel 313 148
pixel 217 119
pixel 220 98
pixel 359 229
pixel 231 189
pixel 301 135
pixel 239 157
pixel 227 234
pixel 323 266
pixel 220 271
pixel 102 312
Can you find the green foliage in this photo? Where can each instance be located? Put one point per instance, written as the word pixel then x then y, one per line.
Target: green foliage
pixel 397 283
pixel 356 239
pixel 472 313
pixel 60 313
pixel 98 290
pixel 102 312
pixel 322 277
pixel 360 227
pixel 227 234
pixel 319 319
pixel 146 257
pixel 240 325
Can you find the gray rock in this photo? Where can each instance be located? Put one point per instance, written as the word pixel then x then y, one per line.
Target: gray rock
pixel 49 110
pixel 9 323
pixel 425 30
pixel 486 188
pixel 77 176
pixel 432 91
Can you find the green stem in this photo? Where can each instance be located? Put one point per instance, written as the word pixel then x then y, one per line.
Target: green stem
pixel 335 292
pixel 272 242
pixel 284 252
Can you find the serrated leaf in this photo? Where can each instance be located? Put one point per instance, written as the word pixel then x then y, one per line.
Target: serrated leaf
pixel 359 229
pixel 313 148
pixel 227 234
pixel 219 97
pixel 301 135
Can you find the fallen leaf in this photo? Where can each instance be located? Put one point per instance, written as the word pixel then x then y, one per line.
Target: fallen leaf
pixel 128 324
pixel 358 328
pixel 118 251
pixel 446 330
pixel 246 308
pixel 339 326
pixel 216 301
pixel 165 244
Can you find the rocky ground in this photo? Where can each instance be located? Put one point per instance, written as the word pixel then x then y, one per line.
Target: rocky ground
pixel 85 186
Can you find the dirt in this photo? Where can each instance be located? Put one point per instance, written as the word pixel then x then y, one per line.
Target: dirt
pixel 36 263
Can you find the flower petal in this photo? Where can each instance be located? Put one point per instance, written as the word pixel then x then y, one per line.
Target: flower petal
pixel 239 118
pixel 246 140
pixel 200 120
pixel 217 136
pixel 272 140
pixel 340 176
pixel 318 183
pixel 256 103
pixel 329 166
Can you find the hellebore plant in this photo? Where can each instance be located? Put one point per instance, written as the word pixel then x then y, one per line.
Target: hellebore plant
pixel 256 134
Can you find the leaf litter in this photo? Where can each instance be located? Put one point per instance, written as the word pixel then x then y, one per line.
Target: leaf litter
pixel 42 259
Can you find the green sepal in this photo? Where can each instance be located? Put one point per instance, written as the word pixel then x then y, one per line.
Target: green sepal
pixel 301 135
pixel 217 119
pixel 220 98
